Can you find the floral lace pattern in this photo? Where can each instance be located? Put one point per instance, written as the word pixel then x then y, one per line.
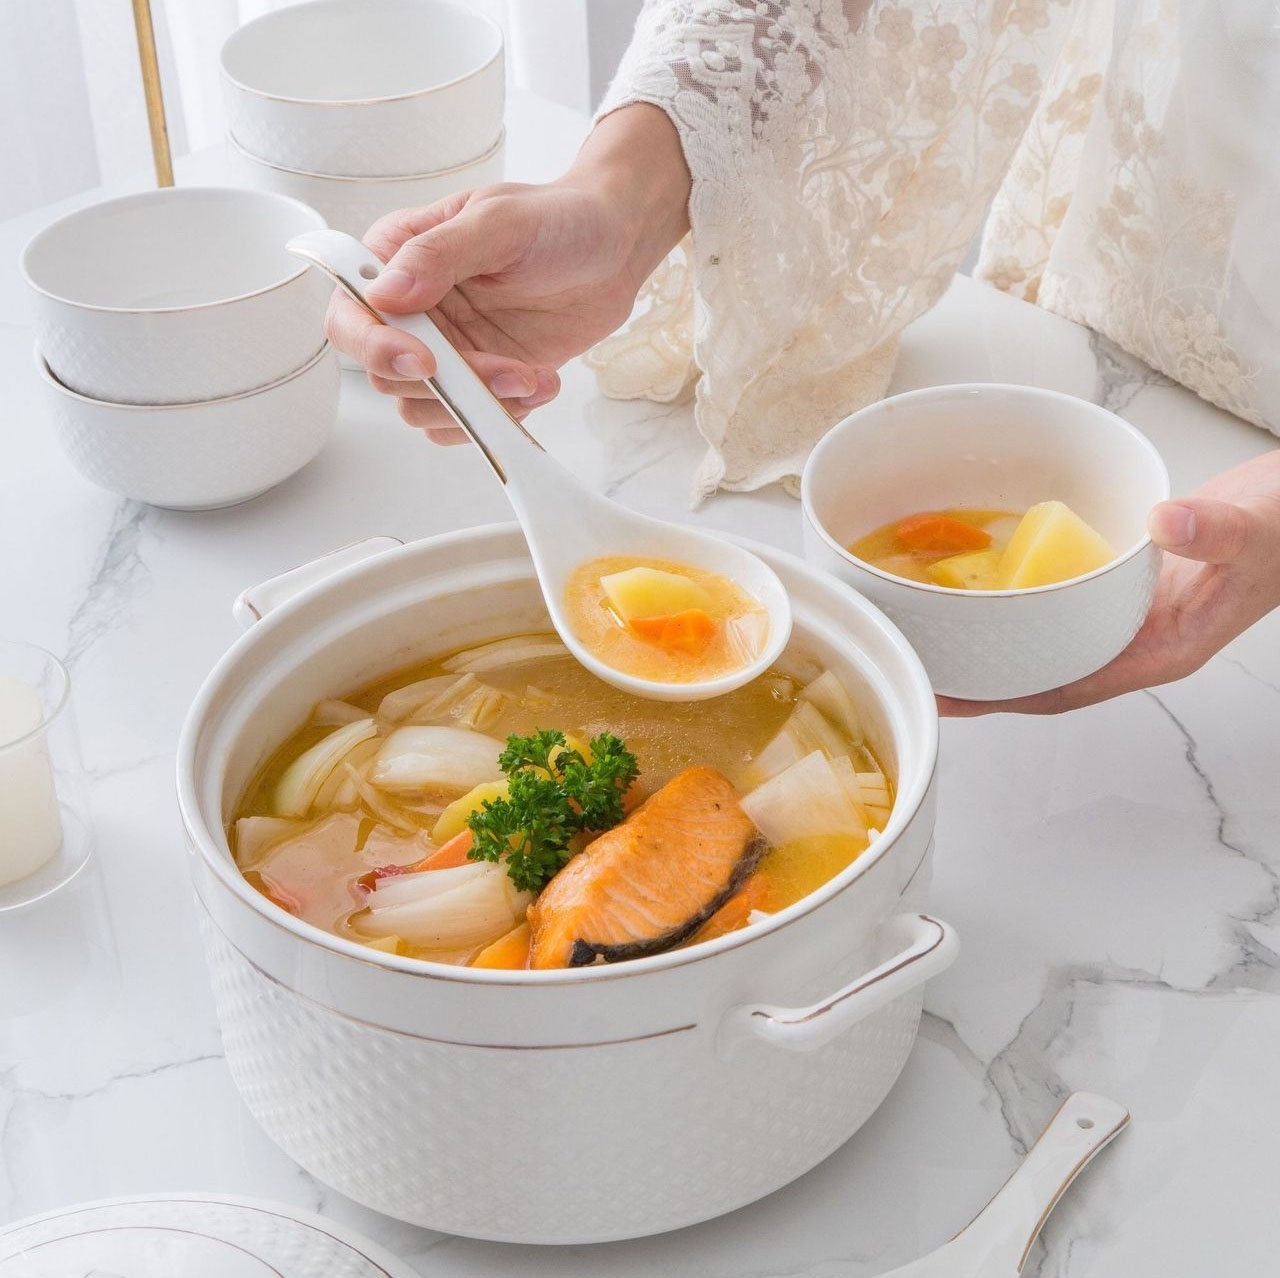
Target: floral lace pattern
pixel 843 154
pixel 1132 209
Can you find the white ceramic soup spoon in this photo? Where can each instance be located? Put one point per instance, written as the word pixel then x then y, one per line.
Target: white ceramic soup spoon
pixel 565 524
pixel 995 1244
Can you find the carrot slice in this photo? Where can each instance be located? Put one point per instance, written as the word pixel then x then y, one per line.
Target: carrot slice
pixel 688 632
pixel 448 855
pixel 940 533
pixel 509 951
pixel 755 894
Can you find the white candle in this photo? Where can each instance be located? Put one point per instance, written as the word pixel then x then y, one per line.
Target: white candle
pixel 30 827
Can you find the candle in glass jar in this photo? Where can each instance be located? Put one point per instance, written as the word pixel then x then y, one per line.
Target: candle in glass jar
pixel 30 827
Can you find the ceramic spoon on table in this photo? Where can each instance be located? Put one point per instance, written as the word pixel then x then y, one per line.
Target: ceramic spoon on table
pixel 996 1242
pixel 564 523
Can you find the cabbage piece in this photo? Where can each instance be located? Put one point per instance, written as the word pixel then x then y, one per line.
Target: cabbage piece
pixel 256 834
pixel 341 789
pixel 803 801
pixel 805 730
pixel 383 847
pixel 446 909
pixel 747 634
pixel 414 759
pixel 506 652
pixel 297 789
pixel 832 698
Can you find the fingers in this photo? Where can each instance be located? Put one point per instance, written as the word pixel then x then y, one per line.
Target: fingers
pixel 1203 529
pixel 384 351
pixel 477 240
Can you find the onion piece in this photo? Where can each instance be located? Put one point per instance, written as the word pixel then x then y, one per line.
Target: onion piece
pixel 506 652
pixel 804 801
pixel 414 759
pixel 476 910
pixel 483 708
pixel 423 697
pixel 422 885
pixel 331 713
pixel 297 789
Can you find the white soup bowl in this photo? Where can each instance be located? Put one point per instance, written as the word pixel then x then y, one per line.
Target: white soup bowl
pixel 353 204
pixel 1004 447
pixel 176 296
pixel 199 456
pixel 366 88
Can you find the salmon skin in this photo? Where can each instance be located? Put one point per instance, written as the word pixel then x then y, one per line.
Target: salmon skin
pixel 652 881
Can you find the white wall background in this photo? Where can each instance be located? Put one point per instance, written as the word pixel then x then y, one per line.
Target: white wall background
pixel 71 108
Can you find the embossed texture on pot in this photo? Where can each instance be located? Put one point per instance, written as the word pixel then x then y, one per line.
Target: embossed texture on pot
pixel 995 446
pixel 610 1075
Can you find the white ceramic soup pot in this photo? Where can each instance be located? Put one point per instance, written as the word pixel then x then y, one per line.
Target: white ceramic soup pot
pixel 354 204
pixel 199 456
pixel 177 295
pixel 1002 447
pixel 554 1106
pixel 366 88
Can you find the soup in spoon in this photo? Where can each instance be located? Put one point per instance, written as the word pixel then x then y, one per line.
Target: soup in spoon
pixel 662 621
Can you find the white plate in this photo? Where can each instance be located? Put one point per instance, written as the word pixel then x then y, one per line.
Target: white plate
pixel 192 1235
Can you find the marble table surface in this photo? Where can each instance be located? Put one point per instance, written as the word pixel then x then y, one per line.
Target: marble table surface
pixel 1113 873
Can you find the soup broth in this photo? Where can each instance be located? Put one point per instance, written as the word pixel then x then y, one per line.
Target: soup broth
pixel 356 802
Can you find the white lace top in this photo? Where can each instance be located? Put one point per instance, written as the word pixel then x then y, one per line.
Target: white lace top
pixel 844 155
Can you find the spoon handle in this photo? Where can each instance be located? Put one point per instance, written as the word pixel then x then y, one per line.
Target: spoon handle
pixel 1007 1226
pixel 505 443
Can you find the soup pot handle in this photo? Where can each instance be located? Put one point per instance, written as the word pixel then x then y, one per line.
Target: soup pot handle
pixel 930 947
pixel 253 604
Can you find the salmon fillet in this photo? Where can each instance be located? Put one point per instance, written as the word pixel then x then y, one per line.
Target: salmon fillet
pixel 650 882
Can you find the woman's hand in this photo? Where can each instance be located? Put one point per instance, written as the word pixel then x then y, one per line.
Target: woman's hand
pixel 521 278
pixel 1221 573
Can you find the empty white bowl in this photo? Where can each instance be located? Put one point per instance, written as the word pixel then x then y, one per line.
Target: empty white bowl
pixel 199 456
pixel 1004 447
pixel 175 296
pixel 366 88
pixel 353 204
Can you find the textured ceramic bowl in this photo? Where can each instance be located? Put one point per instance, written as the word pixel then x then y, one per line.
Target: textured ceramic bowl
pixel 1004 447
pixel 176 296
pixel 366 88
pixel 353 204
pixel 199 456
pixel 554 1106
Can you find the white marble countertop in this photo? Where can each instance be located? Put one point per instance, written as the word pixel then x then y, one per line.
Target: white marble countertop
pixel 1113 873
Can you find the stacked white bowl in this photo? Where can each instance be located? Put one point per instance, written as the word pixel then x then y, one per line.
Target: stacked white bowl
pixel 181 347
pixel 362 107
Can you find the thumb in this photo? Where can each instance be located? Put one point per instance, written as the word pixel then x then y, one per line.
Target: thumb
pixel 427 266
pixel 1203 529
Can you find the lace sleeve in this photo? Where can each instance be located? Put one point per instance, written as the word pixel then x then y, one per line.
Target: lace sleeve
pixel 842 156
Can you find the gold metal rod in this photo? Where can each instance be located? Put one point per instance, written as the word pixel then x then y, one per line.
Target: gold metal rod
pixel 154 93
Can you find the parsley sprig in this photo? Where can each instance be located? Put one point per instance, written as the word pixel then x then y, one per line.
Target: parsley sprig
pixel 553 794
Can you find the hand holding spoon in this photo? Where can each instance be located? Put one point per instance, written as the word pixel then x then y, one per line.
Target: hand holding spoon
pixel 564 523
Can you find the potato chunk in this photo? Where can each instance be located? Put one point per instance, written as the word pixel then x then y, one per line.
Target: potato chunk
pixel 975 571
pixel 1051 543
pixel 650 592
